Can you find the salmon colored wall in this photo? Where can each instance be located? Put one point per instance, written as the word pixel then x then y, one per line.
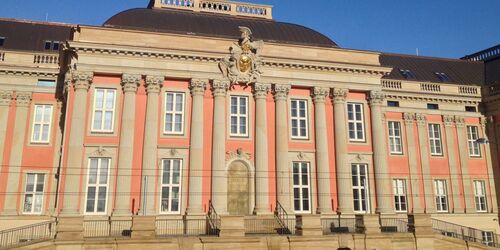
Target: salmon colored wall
pixel 331 150
pixel 271 147
pixel 140 117
pixel 6 154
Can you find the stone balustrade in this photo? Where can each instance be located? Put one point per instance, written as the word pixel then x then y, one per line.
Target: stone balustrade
pixel 227 7
pixel 441 88
pixel 49 60
pixel 45 59
pixel 430 87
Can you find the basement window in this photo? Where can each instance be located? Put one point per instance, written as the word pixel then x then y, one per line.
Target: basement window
pixel 470 109
pixel 432 106
pixel 442 76
pixel 392 104
pixel 46 83
pixel 407 74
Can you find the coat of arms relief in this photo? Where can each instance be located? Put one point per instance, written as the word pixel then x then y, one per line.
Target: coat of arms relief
pixel 243 65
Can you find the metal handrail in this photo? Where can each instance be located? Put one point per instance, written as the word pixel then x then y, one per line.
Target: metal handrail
pixel 465 233
pixel 27 235
pixel 282 217
pixel 213 219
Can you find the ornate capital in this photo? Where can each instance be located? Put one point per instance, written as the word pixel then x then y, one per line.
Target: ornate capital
pixel 82 79
pixel 130 82
pixel 198 86
pixel 459 121
pixel 376 97
pixel 421 119
pixel 6 97
pixel 409 118
pixel 319 94
pixel 483 120
pixel 339 95
pixel 260 90
pixel 23 99
pixel 154 83
pixel 281 91
pixel 219 88
pixel 449 120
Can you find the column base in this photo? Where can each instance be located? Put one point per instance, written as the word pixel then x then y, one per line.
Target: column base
pixel 122 213
pixel 262 211
pixel 309 225
pixel 371 224
pixel 143 227
pixel 232 226
pixel 325 211
pixel 67 211
pixel 10 212
pixel 195 211
pixel 70 228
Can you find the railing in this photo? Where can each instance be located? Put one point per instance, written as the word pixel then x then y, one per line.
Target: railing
pixel 467 90
pixel 394 225
pixel 22 236
pixel 219 6
pixel 338 225
pixel 46 59
pixel 2 56
pixel 213 220
pixel 251 10
pixel 215 6
pixel 390 84
pixel 284 220
pixel 484 55
pixel 465 233
pixel 182 227
pixel 431 87
pixel 107 228
pixel 178 3
pixel 256 225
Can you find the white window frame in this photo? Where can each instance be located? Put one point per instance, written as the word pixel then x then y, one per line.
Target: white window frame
pixel 400 196
pixel 298 119
pixel 435 139
pixel 441 195
pixel 472 136
pixel 487 238
pixel 97 185
pixel 174 113
pixel 395 139
pixel 480 196
pixel 238 115
pixel 170 185
pixel 34 194
pixel 298 187
pixel 43 123
pixel 354 121
pixel 103 110
pixel 360 186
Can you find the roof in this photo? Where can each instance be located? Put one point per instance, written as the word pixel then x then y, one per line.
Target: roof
pixel 216 25
pixel 31 36
pixel 425 68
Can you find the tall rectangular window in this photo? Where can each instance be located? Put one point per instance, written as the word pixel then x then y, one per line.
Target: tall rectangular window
pixel 360 187
pixel 435 139
pixel 480 196
pixel 399 189
pixel 441 195
pixel 472 136
pixel 355 121
pixel 298 115
pixel 42 119
pixel 97 185
pixel 33 193
pixel 171 186
pixel 104 109
pixel 174 113
pixel 239 116
pixel 488 238
pixel 301 187
pixel 395 144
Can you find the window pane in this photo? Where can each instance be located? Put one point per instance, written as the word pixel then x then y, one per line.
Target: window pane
pixel 97 120
pixel 38 113
pixel 103 178
pixel 90 199
pixel 99 99
pixel 28 202
pixel 166 171
pixel 45 132
pixel 38 204
pixel 178 102
pixel 108 120
pixel 40 182
pixel 93 171
pixel 176 172
pixel 36 132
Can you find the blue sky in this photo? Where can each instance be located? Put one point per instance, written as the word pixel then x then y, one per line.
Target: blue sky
pixel 443 28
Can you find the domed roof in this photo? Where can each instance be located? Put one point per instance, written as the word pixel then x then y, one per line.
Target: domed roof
pixel 216 25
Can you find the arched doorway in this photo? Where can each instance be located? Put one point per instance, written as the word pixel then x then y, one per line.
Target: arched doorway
pixel 238 189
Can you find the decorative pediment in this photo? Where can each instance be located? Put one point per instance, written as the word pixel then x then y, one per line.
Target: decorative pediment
pixel 244 63
pixel 238 154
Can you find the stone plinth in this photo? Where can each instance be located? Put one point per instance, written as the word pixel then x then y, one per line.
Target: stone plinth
pixel 143 227
pixel 371 223
pixel 70 228
pixel 309 225
pixel 232 226
pixel 423 231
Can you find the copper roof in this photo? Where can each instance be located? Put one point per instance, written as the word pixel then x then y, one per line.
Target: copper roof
pixel 31 36
pixel 425 68
pixel 216 25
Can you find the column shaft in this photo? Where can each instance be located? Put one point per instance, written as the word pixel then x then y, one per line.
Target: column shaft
pixel 452 163
pixel 415 181
pixel 261 150
pixel 196 148
pixel 282 165
pixel 464 165
pixel 489 129
pixel 56 162
pixel 424 159
pixel 5 102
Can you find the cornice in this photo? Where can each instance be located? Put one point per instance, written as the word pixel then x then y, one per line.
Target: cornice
pixel 28 72
pixel 440 99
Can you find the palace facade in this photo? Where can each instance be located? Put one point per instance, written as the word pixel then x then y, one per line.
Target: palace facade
pixel 210 119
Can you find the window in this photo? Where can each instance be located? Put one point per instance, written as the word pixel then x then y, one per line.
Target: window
pixel 480 196
pixel 441 195
pixel 359 187
pixel 472 136
pixel 174 113
pixel 487 238
pixel 392 104
pixel 52 45
pixel 470 109
pixel 239 116
pixel 395 145
pixel 399 189
pixel 42 119
pixel 442 76
pixel 46 83
pixel 435 139
pixel 299 119
pixel 171 186
pixel 355 120
pixel 33 195
pixel 301 187
pixel 407 74
pixel 2 41
pixel 104 109
pixel 432 106
pixel 97 185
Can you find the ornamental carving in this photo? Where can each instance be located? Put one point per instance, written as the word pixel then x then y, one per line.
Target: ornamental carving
pixel 339 95
pixel 409 118
pixel 82 79
pixel 197 86
pixel 154 83
pixel 376 97
pixel 421 119
pixel 459 121
pixel 244 63
pixel 483 120
pixel 219 88
pixel 448 120
pixel 260 90
pixel 238 154
pixel 5 97
pixel 281 91
pixel 23 98
pixel 130 82
pixel 319 94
